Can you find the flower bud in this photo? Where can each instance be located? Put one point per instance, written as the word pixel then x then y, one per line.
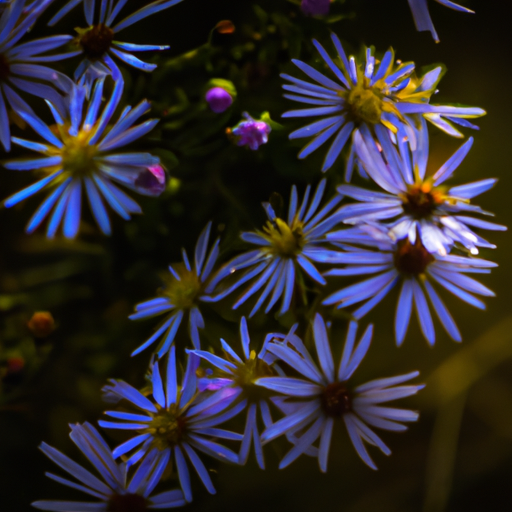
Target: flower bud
pixel 218 99
pixel 151 181
pixel 41 324
pixel 250 133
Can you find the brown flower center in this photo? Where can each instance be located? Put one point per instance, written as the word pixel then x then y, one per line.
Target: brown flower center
pixel 336 400
pixel 96 40
pixel 420 200
pixel 412 259
pixel 5 69
pixel 127 503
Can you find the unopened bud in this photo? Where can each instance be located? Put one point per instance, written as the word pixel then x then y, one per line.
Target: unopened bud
pixel 250 133
pixel 315 7
pixel 41 324
pixel 151 181
pixel 218 99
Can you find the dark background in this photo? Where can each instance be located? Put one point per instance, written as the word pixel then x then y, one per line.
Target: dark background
pixel 457 457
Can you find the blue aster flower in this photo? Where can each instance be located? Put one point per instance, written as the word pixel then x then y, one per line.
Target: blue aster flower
pixel 286 249
pixel 420 204
pixel 321 396
pixel 422 18
pixel 20 66
pixel 82 153
pixel 176 423
pixel 369 95
pixel 114 491
pixel 239 375
pixel 412 265
pixel 98 41
pixel 185 288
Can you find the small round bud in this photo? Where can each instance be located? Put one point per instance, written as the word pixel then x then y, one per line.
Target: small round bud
pixel 218 99
pixel 41 324
pixel 15 365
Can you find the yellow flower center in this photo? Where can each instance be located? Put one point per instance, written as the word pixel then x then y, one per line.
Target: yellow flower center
pixel 167 428
pixel 245 375
pixel 184 293
pixel 78 154
pixel 364 102
pixel 286 240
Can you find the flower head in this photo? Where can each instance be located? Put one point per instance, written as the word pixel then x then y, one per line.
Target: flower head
pixel 417 269
pixel 81 152
pixel 115 493
pixel 419 203
pixel 422 18
pixel 20 64
pixel 240 375
pixel 218 99
pixel 184 290
pixel 174 423
pixel 321 396
pixel 366 96
pixel 287 247
pixel 100 40
pixel 250 133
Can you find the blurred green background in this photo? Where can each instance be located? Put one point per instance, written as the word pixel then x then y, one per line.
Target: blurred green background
pixel 458 457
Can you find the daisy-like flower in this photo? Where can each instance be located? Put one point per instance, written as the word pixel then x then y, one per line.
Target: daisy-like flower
pixel 369 95
pixel 20 66
pixel 82 153
pixel 115 492
pixel 98 40
pixel 412 265
pixel 286 249
pixel 185 288
pixel 422 19
pixel 321 397
pixel 175 424
pixel 420 204
pixel 239 375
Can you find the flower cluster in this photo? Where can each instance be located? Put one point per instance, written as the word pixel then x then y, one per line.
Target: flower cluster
pixel 405 228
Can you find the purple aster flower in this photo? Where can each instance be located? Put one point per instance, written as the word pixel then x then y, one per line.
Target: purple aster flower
pixel 20 66
pixel 115 492
pixel 99 40
pixel 315 7
pixel 219 100
pixel 82 153
pixel 321 396
pixel 185 288
pixel 175 423
pixel 422 18
pixel 412 265
pixel 419 203
pixel 370 95
pixel 250 133
pixel 239 376
pixel 286 250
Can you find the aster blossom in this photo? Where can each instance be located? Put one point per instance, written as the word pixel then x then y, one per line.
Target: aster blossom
pixel 185 288
pixel 81 153
pixel 369 95
pixel 420 204
pixel 239 375
pixel 321 396
pixel 20 66
pixel 115 492
pixel 411 264
pixel 98 40
pixel 286 249
pixel 421 15
pixel 175 424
